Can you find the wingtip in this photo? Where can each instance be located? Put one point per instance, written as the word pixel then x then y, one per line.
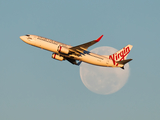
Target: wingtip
pixel 99 38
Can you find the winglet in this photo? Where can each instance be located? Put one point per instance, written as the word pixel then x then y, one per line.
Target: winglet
pixel 99 38
pixel 79 63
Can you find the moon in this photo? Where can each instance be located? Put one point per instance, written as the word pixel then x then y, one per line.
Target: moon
pixel 103 80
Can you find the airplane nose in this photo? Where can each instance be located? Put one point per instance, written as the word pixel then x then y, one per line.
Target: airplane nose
pixel 21 37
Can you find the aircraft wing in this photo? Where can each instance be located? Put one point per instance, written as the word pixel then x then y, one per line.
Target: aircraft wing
pixel 83 47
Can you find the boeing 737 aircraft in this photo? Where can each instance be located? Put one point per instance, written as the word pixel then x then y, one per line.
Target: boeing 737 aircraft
pixel 77 54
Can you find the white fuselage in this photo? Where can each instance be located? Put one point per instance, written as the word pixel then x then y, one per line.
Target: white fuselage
pixel 52 46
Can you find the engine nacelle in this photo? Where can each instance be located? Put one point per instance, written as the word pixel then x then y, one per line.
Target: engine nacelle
pixel 57 57
pixel 63 49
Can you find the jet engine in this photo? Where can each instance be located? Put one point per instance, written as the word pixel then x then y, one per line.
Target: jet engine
pixel 63 49
pixel 57 57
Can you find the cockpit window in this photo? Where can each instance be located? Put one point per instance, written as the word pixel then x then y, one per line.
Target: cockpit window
pixel 29 37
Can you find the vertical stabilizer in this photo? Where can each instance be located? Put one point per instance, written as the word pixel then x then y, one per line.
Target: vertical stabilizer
pixel 121 54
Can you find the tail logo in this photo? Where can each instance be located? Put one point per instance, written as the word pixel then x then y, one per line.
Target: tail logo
pixel 120 55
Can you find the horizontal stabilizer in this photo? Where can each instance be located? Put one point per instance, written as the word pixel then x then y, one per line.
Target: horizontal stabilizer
pixel 123 62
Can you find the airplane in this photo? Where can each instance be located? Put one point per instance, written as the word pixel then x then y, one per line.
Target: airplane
pixel 78 54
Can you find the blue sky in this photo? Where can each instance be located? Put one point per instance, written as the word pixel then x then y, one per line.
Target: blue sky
pixel 34 86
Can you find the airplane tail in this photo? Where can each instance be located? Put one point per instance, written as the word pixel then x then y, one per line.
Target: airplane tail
pixel 120 56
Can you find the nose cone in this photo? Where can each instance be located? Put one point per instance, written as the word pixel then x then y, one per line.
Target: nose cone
pixel 23 38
